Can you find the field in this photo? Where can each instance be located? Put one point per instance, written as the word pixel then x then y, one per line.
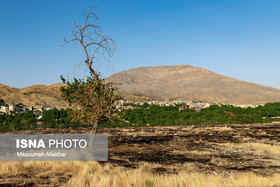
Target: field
pixel 220 155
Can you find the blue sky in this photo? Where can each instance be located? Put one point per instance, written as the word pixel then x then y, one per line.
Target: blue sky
pixel 236 38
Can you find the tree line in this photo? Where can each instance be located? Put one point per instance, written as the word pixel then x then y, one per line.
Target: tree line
pixel 145 115
pixel 155 115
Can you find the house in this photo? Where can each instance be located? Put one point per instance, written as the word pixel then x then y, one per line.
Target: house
pixel 191 106
pixel 12 108
pixel 195 107
pixel 184 107
pixel 5 109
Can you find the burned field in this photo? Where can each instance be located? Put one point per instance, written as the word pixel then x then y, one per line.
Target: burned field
pixel 218 148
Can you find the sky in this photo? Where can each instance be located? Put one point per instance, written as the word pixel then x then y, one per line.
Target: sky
pixel 236 38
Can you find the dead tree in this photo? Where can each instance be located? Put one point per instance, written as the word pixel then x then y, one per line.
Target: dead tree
pixel 91 39
pixel 93 99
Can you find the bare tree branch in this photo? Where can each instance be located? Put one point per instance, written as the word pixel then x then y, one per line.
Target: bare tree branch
pixel 91 38
pixel 94 99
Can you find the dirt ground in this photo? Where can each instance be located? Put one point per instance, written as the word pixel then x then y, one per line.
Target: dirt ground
pixel 217 149
pixel 212 149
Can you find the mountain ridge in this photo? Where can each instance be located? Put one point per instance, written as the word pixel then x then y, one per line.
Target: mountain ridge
pixel 35 95
pixel 185 82
pixel 182 83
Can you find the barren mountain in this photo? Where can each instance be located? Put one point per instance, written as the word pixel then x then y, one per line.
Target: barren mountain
pixel 38 95
pixel 185 83
pixel 5 90
pixel 162 83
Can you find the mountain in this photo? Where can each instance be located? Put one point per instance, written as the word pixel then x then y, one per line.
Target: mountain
pixel 6 90
pixel 186 83
pixel 162 83
pixel 38 95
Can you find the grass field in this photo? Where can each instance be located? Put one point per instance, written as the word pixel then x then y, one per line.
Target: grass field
pixel 94 174
pixel 210 156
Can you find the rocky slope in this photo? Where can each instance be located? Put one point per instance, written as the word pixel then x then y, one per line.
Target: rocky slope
pixel 184 83
pixel 162 83
pixel 38 95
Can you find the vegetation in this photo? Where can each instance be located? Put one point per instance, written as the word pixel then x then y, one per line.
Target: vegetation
pixel 18 121
pixel 93 99
pixel 155 115
pixel 94 174
pixel 28 120
pixel 144 115
pixel 90 101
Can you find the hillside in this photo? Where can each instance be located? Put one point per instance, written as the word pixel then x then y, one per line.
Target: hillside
pixel 185 83
pixel 162 83
pixel 6 90
pixel 38 95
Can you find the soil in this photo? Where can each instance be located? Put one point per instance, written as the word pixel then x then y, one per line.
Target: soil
pixel 170 148
pixel 203 146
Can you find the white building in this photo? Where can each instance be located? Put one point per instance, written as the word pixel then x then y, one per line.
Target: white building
pixel 5 109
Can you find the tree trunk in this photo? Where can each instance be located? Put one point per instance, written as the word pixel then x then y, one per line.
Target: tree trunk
pixel 95 127
pixel 93 132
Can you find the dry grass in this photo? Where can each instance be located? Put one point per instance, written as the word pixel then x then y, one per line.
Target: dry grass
pixel 93 174
pixel 18 168
pixel 193 152
pixel 259 148
pixel 117 176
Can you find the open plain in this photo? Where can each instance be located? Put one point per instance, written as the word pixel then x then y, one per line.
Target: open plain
pixel 220 155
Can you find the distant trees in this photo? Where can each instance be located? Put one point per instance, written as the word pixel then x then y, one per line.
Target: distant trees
pixel 2 102
pixel 91 99
pixel 144 115
pixel 18 121
pixel 225 114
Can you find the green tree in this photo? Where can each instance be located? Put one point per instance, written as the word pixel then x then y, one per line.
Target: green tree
pixel 93 99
